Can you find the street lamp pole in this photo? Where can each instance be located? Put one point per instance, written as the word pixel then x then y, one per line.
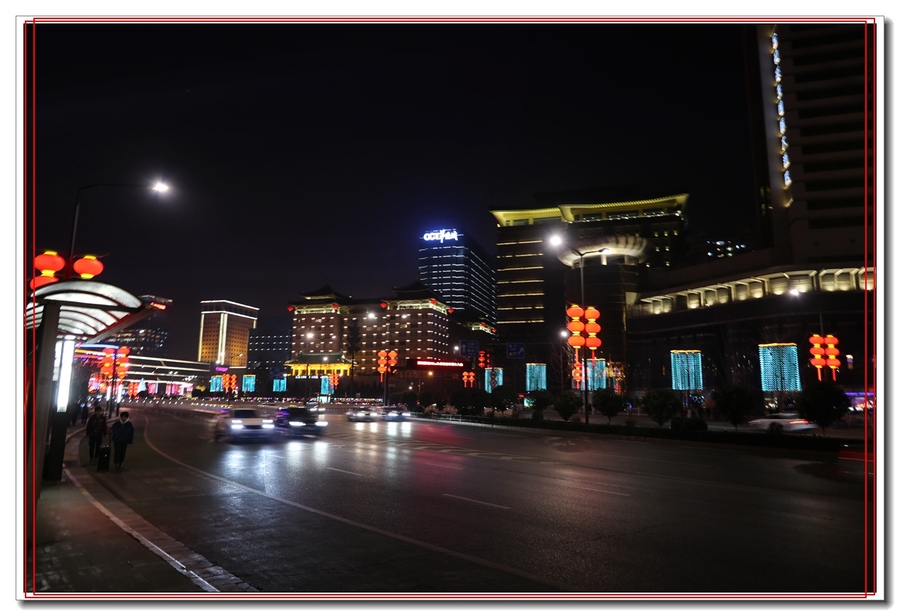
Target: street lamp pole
pixel 557 241
pixel 158 187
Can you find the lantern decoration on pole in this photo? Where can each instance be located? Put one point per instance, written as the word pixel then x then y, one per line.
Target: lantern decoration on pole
pixel 122 362
pixel 48 264
pixel 335 379
pixel 482 359
pixel 832 352
pixel 576 340
pixel 392 361
pixel 817 352
pixel 592 328
pixel 107 362
pixel 468 379
pixel 87 267
pixel 382 363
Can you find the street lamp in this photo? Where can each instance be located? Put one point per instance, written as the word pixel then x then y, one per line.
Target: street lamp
pixel 558 241
pixel 159 187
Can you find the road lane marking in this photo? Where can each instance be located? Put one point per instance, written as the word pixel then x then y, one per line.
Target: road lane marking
pixel 422 544
pixel 331 468
pixel 472 500
pixel 604 491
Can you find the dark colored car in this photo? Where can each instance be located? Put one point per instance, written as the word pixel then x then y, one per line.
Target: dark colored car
pixel 299 421
pixel 362 413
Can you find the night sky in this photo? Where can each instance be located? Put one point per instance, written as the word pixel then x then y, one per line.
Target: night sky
pixel 306 154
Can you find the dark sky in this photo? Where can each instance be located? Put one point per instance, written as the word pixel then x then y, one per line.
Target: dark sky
pixel 306 154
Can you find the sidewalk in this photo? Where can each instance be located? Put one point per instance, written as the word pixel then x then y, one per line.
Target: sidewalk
pixel 89 545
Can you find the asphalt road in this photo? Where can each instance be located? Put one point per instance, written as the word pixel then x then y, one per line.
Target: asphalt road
pixel 422 506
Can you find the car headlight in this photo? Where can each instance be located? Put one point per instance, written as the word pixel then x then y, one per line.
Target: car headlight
pixel 268 426
pixel 236 421
pixel 321 424
pixel 237 426
pixel 295 424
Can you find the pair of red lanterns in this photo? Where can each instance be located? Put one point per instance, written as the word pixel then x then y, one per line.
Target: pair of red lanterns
pixel 820 352
pixel 468 379
pixel 50 262
pixel 578 327
pixel 114 362
pixel 386 361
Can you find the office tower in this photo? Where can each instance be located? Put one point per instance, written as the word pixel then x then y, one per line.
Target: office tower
pixel 455 267
pixel 225 332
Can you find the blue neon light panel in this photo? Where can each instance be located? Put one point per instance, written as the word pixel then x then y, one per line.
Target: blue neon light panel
pixel 778 367
pixel 687 370
pixel 535 377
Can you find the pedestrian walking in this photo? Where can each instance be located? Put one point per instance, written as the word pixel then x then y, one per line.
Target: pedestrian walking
pixel 95 430
pixel 122 435
pixel 73 412
pixel 85 411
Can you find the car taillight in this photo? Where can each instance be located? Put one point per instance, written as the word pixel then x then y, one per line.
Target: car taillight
pixel 799 421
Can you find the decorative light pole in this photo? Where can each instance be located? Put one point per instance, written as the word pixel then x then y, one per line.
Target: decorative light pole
pixel 557 241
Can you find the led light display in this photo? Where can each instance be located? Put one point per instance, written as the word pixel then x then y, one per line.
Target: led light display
pixel 248 382
pixel 215 384
pixel 779 367
pixel 687 370
pixel 279 385
pixel 535 377
pixel 596 374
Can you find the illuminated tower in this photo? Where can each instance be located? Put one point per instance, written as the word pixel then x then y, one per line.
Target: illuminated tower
pixel 225 332
pixel 456 268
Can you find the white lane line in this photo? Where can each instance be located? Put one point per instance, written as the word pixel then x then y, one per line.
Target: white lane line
pixel 331 468
pixel 472 500
pixel 604 491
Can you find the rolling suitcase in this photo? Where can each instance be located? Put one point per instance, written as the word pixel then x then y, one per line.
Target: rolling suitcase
pixel 103 457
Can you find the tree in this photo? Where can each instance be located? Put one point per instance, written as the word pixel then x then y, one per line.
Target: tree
pixel 567 403
pixel 661 405
pixel 823 402
pixel 608 403
pixel 541 399
pixel 503 397
pixel 470 401
pixel 737 402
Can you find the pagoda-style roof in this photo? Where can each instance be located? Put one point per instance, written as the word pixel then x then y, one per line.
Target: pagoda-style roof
pixel 416 290
pixel 325 293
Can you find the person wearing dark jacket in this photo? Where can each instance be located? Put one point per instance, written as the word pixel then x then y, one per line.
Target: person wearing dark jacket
pixel 122 432
pixel 95 430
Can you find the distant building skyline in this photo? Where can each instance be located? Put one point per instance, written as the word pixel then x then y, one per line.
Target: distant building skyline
pixel 225 332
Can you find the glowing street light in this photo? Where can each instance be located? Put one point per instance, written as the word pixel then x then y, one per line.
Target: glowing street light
pixel 159 187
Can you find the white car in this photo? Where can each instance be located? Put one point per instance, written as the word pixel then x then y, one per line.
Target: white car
pixel 782 422
pixel 244 423
pixel 394 413
pixel 362 413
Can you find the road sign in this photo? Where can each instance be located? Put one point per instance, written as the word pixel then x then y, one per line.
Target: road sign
pixel 468 348
pixel 515 350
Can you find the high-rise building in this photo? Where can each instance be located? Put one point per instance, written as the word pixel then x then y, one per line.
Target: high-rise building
pixel 455 266
pixel 607 237
pixel 815 147
pixel 225 332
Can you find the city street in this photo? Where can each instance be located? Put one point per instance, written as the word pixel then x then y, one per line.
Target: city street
pixel 421 506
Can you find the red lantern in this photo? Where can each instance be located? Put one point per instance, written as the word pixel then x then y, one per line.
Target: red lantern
pixel 87 267
pixel 818 362
pixel 830 340
pixel 817 340
pixel 39 281
pixel 575 312
pixel 575 326
pixel 382 363
pixel 591 313
pixel 49 263
pixel 334 306
pixel 576 341
pixel 593 343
